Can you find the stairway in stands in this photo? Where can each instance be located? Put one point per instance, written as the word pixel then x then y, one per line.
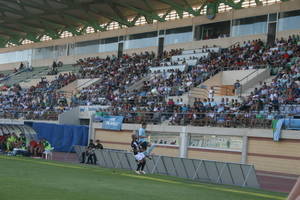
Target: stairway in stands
pixel 25 76
pixel 28 79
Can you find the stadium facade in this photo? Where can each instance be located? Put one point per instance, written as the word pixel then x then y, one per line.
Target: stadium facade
pixel 227 28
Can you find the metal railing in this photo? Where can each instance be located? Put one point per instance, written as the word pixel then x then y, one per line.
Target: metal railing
pixel 213 119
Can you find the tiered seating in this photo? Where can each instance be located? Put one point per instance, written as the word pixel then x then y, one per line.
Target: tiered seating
pixel 28 79
pixel 116 75
pixel 26 76
pixel 149 102
pixel 37 102
pixel 153 99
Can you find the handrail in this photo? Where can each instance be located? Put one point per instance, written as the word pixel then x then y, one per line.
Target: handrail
pixel 202 48
pixel 249 75
pixel 13 74
pixel 92 79
pixel 186 113
pixel 233 44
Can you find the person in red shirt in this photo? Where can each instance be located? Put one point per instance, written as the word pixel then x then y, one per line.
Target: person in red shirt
pixel 31 148
pixel 2 142
pixel 286 55
pixel 39 149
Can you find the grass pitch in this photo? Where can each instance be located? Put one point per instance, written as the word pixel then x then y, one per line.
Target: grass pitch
pixel 31 179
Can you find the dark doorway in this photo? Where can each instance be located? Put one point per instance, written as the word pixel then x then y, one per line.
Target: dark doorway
pixel 120 49
pixel 160 47
pixel 271 34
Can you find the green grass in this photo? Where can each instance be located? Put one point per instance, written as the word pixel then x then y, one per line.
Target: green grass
pixel 32 179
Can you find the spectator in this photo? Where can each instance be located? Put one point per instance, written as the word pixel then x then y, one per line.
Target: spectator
pixel 237 88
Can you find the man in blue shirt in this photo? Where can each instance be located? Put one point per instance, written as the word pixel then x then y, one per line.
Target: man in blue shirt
pixel 142 136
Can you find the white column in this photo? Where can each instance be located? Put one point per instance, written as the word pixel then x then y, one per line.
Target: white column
pixel 91 128
pixel 183 142
pixel 244 150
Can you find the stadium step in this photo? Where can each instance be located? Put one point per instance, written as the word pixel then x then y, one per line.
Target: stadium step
pixel 137 85
pixel 76 86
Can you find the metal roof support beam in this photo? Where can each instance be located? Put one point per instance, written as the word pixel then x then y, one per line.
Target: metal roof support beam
pixel 33 37
pixel 3 42
pixel 35 6
pixel 135 19
pixel 5 8
pixel 75 19
pixel 180 8
pixel 258 2
pixel 52 23
pixel 148 15
pixel 97 27
pixel 53 34
pixel 73 30
pixel 114 18
pixel 116 10
pixel 148 4
pixel 15 40
pixel 11 29
pixel 232 4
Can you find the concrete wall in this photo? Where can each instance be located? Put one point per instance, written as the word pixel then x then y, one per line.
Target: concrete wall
pixel 230 77
pixel 282 157
pixel 207 154
pixel 79 84
pixel 258 147
pixel 222 42
pixel 70 117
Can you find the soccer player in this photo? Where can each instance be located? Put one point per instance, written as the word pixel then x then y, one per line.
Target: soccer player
pixel 142 136
pixel 140 157
pixel 134 144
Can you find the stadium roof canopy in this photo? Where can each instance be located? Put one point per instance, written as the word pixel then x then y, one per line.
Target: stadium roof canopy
pixel 32 19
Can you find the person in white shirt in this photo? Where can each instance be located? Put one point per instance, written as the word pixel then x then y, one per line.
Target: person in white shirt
pixel 211 93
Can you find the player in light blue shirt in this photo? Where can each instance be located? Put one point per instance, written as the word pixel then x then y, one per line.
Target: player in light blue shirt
pixel 142 136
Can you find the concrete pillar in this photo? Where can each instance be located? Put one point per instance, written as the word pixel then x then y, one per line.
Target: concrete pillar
pixel 244 150
pixel 183 142
pixel 91 128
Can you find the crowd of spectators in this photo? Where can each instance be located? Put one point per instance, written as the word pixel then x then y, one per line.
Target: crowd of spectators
pixel 151 99
pixel 38 102
pixel 115 74
pixel 154 94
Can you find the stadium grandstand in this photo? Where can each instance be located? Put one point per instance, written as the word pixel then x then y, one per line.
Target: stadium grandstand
pixel 214 85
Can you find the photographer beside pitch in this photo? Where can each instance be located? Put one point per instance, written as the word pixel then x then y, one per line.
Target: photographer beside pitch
pixel 90 152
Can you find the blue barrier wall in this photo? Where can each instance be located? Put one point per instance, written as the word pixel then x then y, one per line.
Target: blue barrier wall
pixel 62 137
